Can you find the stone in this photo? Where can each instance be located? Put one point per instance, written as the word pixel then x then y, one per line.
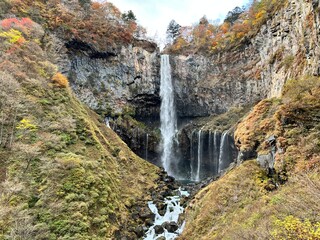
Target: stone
pixel 158 229
pixel 145 213
pixel 266 160
pixel 139 231
pixel 161 238
pixel 170 226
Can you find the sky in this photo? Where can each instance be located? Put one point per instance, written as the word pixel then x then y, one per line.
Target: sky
pixel 155 15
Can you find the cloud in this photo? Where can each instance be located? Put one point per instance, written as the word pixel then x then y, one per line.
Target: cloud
pixel 155 15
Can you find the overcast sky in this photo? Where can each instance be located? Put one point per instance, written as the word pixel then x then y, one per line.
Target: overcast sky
pixel 155 15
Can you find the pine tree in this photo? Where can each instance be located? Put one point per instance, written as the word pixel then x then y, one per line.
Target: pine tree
pixel 129 16
pixel 173 31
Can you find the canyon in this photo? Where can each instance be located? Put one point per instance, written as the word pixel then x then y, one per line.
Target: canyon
pixel 239 128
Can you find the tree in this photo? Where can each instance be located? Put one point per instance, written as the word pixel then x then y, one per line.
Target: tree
pixel 173 31
pixel 9 106
pixel 129 16
pixel 234 15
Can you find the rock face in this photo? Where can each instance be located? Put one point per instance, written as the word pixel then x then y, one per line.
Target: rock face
pixel 121 80
pixel 287 46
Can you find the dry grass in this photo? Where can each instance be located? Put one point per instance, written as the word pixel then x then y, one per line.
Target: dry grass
pixel 237 207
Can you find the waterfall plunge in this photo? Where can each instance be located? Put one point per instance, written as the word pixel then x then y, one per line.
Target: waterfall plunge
pixel 167 114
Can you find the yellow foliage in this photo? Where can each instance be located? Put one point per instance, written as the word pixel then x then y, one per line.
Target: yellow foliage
pixel 13 36
pixel 293 228
pixel 25 124
pixel 60 80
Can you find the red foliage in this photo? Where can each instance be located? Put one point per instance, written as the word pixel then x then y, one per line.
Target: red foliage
pixel 14 22
pixel 22 24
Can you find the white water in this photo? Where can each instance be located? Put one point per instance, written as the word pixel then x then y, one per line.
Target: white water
pixel 167 114
pixel 197 179
pixel 147 143
pixel 222 152
pixel 192 157
pixel 173 210
pixel 107 121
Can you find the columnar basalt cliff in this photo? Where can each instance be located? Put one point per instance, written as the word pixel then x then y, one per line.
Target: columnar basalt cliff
pixel 285 47
pixel 115 81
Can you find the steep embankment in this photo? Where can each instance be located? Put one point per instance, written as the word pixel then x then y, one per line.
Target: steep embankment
pixel 282 203
pixel 285 47
pixel 110 66
pixel 63 173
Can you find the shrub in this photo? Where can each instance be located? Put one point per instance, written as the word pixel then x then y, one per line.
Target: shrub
pixel 293 228
pixel 60 80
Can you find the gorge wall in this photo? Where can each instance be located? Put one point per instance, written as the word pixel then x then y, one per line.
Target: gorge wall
pixel 127 79
pixel 118 81
pixel 287 46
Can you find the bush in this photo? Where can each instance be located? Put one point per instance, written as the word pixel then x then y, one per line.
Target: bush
pixel 293 228
pixel 60 80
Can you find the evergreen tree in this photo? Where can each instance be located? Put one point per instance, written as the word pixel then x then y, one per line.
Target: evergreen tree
pixel 129 16
pixel 234 15
pixel 173 31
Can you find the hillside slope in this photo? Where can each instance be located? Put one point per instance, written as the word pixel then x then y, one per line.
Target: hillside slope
pixel 63 173
pixel 249 202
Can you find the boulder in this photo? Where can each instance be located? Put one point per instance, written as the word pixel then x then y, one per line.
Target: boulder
pixel 158 229
pixel 170 226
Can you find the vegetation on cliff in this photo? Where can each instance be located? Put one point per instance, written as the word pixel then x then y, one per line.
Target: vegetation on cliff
pixel 63 173
pixel 101 25
pixel 248 203
pixel 238 27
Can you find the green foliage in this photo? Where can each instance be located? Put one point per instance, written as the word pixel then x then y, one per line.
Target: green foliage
pixel 233 15
pixel 129 16
pixel 64 168
pixel 173 31
pixel 304 87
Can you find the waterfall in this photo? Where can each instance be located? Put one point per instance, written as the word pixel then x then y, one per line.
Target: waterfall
pixel 199 156
pixel 147 143
pixel 107 121
pixel 191 157
pixel 216 152
pixel 210 153
pixel 168 118
pixel 223 154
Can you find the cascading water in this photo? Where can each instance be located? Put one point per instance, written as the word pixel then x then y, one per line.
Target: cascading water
pixel 199 156
pixel 210 153
pixel 167 115
pixel 146 146
pixel 222 152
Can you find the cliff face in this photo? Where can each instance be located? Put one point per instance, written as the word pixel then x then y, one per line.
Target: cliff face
pixel 124 79
pixel 287 46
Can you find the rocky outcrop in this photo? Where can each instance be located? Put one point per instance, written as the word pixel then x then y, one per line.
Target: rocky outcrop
pixel 115 81
pixel 287 46
pixel 143 140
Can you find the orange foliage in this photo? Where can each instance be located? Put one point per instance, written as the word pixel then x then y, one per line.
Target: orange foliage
pixel 22 24
pixel 217 38
pixel 100 25
pixel 60 80
pixel 96 6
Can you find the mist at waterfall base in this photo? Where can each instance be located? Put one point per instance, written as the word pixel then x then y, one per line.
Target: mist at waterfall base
pixel 204 154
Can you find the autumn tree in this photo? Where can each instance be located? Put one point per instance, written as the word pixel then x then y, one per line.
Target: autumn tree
pixel 9 107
